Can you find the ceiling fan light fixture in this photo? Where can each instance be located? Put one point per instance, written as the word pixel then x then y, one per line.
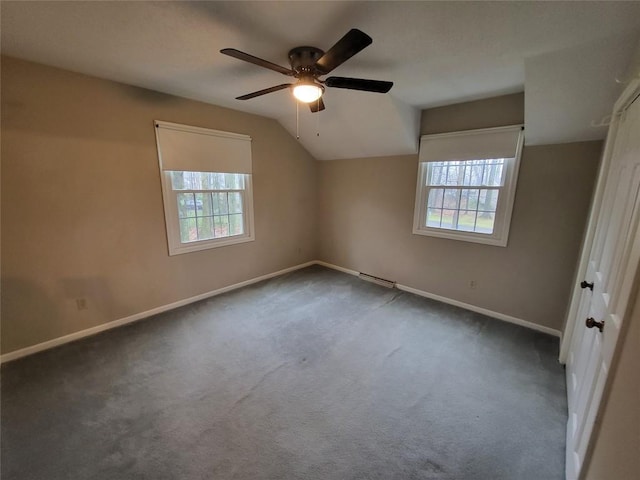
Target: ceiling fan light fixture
pixel 307 92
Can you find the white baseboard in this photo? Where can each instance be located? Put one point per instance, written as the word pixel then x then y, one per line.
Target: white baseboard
pixel 466 306
pixel 483 311
pixel 23 352
pixel 336 267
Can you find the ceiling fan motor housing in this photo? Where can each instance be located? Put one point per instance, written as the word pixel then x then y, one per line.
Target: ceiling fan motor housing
pixel 303 59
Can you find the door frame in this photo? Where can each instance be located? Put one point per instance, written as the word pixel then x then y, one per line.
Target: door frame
pixel 630 93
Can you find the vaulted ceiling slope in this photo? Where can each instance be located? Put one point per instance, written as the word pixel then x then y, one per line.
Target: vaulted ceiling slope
pixel 569 58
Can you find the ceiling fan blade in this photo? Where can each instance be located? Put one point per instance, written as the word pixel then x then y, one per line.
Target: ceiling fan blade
pixel 377 86
pixel 264 92
pixel 353 42
pixel 317 106
pixel 232 52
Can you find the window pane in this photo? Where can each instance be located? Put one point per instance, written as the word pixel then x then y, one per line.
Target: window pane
pixel 236 225
pixel 207 205
pixel 467 220
pixel 451 198
pixel 488 200
pixel 221 226
pixel 447 173
pixel 435 175
pixel 442 179
pixel 455 173
pixel 197 180
pixel 449 217
pixel 466 180
pixel 186 204
pixel 207 181
pixel 215 202
pixel 205 228
pixel 188 230
pixel 500 173
pixel 476 174
pixel 235 202
pixel 435 199
pixel 235 181
pixel 199 199
pixel 472 199
pixel 434 216
pixel 177 180
pixel 486 173
pixel 464 199
pixel 217 181
pixel 220 204
pixel 190 180
pixel 493 173
pixel 492 196
pixel 484 222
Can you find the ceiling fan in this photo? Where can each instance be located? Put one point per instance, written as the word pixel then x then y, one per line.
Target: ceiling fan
pixel 310 63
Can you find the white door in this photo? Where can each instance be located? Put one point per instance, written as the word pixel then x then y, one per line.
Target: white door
pixel 612 265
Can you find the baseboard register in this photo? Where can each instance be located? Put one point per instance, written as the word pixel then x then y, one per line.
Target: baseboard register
pixel 23 352
pixel 377 280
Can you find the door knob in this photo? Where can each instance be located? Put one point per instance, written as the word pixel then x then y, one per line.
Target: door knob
pixel 585 284
pixel 591 322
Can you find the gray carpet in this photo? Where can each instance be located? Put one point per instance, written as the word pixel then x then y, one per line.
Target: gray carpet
pixel 312 375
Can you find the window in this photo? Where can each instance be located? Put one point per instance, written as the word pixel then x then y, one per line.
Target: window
pixel 466 184
pixel 206 187
pixel 209 204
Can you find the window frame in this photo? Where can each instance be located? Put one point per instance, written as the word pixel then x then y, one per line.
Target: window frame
pixel 170 200
pixel 506 196
pixel 176 246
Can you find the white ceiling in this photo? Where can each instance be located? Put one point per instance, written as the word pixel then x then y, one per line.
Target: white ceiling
pixel 565 56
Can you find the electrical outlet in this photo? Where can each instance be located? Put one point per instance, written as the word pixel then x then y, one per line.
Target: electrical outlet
pixel 473 284
pixel 81 303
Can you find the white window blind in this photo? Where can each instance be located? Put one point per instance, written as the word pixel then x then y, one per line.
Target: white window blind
pixel 501 142
pixel 194 149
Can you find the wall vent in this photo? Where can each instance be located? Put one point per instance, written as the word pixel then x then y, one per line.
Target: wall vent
pixel 377 280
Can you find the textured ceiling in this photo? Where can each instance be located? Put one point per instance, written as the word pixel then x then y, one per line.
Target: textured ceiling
pixel 565 56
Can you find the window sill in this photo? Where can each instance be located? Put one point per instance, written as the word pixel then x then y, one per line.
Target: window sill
pixel 462 236
pixel 207 244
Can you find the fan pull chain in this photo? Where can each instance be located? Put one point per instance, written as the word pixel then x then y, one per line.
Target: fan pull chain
pixel 318 119
pixel 297 120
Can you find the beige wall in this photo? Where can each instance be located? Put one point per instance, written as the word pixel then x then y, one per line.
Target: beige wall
pixel 616 454
pixel 366 217
pixel 82 211
pixel 491 112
